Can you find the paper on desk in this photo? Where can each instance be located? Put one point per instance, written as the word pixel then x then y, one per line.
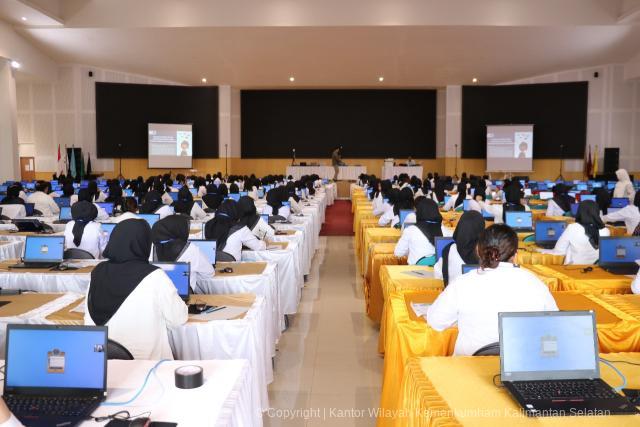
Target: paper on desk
pixel 273 247
pixel 420 308
pixel 83 263
pixel 422 274
pixel 229 312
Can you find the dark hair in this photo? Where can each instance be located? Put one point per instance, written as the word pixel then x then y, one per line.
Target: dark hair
pixel 497 243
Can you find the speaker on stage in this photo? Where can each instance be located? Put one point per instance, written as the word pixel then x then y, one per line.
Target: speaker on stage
pixel 611 159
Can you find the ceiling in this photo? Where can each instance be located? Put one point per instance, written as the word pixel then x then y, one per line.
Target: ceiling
pixel 332 43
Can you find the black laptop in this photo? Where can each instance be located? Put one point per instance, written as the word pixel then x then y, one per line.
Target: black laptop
pixel 548 233
pixel 549 363
pixel 42 252
pixel 55 375
pixel 618 255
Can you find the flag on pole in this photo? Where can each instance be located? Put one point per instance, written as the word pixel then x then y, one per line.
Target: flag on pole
pixel 589 166
pixel 66 161
pixel 60 164
pixel 89 164
pixel 595 161
pixel 72 167
pixel 81 166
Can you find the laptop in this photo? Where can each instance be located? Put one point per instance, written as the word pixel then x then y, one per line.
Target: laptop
pixel 246 193
pixel 128 192
pixel 265 218
pixel 549 364
pixel 619 202
pixel 65 215
pixel 107 227
pixel 581 187
pixel 62 202
pixel 487 216
pixel 519 221
pixel 446 199
pixel 465 205
pixel 31 225
pixel 234 196
pixel 42 252
pixel 548 233
pixel 29 208
pixel 107 206
pixel 193 191
pixel 208 247
pixel 150 218
pixel 260 193
pixel 618 255
pixel 403 215
pixel 469 267
pixel 441 243
pixel 174 195
pixel 287 204
pixel 584 197
pixel 574 209
pixel 55 366
pixel 179 273
pixel 545 195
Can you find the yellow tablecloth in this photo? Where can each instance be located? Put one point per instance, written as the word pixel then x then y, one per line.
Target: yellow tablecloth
pixel 527 254
pixel 376 235
pixel 380 254
pixel 407 335
pixel 457 391
pixel 571 278
pixel 364 224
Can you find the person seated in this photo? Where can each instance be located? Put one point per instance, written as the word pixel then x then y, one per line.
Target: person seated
pixel 83 232
pixel 274 205
pixel 411 162
pixel 456 201
pixel 98 196
pixel 186 206
pixel 293 199
pixel 463 249
pixel 212 199
pixel 472 301
pixel 115 193
pixel 12 197
pixel 42 201
pixel 630 214
pixel 170 238
pixel 249 217
pixel 229 234
pixel 417 241
pixel 69 192
pixel 579 242
pixel 85 196
pixel 393 198
pixel 136 300
pixel 514 202
pixel 153 203
pixel 129 209
pixel 380 193
pixel 624 186
pixel 560 205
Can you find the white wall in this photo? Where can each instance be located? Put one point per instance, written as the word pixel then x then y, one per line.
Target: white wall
pixel 9 163
pixel 34 63
pixel 63 112
pixel 613 112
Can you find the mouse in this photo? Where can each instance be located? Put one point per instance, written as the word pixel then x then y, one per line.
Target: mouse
pixel 63 267
pixel 227 270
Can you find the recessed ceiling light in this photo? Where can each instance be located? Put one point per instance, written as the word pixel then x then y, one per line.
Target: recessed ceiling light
pixel 204 80
pixel 15 64
pixel 24 18
pixel 292 79
pixel 380 79
pixel 474 80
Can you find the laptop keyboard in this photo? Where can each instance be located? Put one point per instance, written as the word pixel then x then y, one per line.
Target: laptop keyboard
pixel 558 390
pixel 58 406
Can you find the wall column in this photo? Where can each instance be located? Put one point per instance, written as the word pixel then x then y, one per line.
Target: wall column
pixel 453 130
pixel 9 162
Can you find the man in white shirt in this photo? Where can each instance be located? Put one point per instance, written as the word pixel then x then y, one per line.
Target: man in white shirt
pixel 43 202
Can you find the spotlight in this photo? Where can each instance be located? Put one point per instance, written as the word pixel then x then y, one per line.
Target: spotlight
pixel 474 80
pixel 15 64
pixel 380 79
pixel 292 79
pixel 204 80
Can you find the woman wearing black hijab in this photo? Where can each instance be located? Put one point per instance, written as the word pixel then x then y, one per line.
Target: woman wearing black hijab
pixel 186 206
pixel 83 232
pixel 68 190
pixel 405 202
pixel 393 198
pixel 561 202
pixel 84 195
pixel 580 241
pixel 457 201
pixel 234 189
pixel 170 238
pixel 97 195
pixel 153 204
pixel 603 199
pixel 418 241
pixel 275 197
pixel 13 196
pixel 248 216
pixel 463 249
pixel 513 196
pixel 229 234
pixel 136 300
pixel 212 199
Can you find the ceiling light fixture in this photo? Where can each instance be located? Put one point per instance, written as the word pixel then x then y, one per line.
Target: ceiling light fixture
pixel 15 64
pixel 474 80
pixel 204 80
pixel 292 79
pixel 24 18
pixel 380 79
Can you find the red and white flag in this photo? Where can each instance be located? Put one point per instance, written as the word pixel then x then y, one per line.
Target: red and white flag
pixel 61 168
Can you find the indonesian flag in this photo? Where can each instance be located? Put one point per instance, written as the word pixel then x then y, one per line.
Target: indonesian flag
pixel 589 165
pixel 60 164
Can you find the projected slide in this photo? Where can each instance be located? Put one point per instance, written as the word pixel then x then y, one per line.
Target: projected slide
pixel 170 146
pixel 509 148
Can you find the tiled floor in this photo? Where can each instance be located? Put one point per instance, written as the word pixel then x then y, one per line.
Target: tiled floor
pixel 327 368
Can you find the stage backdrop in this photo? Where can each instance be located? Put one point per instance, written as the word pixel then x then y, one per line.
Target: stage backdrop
pixel 123 112
pixel 367 123
pixel 558 112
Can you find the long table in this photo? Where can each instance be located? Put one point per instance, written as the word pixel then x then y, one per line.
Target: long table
pixel 389 172
pixel 347 173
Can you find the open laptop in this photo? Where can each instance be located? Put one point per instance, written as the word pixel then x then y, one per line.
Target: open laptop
pixel 234 196
pixel 31 225
pixel 65 215
pixel 150 218
pixel 574 209
pixel 619 202
pixel 260 193
pixel 107 227
pixel 42 252
pixel 465 204
pixel 487 215
pixel 618 255
pixel 549 364
pixel 107 206
pixel 519 221
pixel 173 195
pixel 193 191
pixel 469 267
pixel 62 202
pixel 179 273
pixel 548 233
pixel 402 215
pixel 61 367
pixel 29 208
pixel 584 197
pixel 441 243
pixel 545 195
pixel 208 247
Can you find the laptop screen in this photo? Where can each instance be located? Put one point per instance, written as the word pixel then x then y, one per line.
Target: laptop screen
pixel 178 272
pixel 265 218
pixel 208 247
pixel 62 201
pixel 234 196
pixel 619 202
pixel 44 248
pixel 65 213
pixel 441 242
pixel 260 193
pixel 546 195
pixel 193 191
pixel 616 250
pixel 128 192
pixel 487 215
pixel 173 195
pixel 549 231
pixel 150 218
pixel 244 193
pixel 584 197
pixel 29 207
pixel 43 357
pixel 519 219
pixel 403 215
pixel 574 209
pixel 465 205
pixel 108 207
pixel 548 345
pixel 581 187
pixel 108 227
pixel 469 267
pixel 446 199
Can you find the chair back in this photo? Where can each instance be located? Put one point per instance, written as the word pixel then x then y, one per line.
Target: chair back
pixel 492 349
pixel 75 253
pixel 116 351
pixel 222 256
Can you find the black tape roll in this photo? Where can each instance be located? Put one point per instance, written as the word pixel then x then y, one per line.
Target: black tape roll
pixel 189 376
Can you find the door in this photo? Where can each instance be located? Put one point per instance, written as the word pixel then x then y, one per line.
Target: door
pixel 27 169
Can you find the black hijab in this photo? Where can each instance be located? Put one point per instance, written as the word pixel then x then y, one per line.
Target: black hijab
pixel 184 204
pixel 234 189
pixel 462 194
pixel 112 281
pixel 82 212
pixel 274 199
pixel 219 227
pixel 562 199
pixel 603 199
pixel 428 219
pixel 152 202
pixel 13 196
pixel 93 189
pixel 247 212
pixel 440 186
pixel 169 236
pixel 466 237
pixel 588 216
pixel 68 190
pixel 512 195
pixel 212 199
pixel 115 193
pixel 405 201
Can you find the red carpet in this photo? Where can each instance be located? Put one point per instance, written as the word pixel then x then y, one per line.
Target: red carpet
pixel 338 219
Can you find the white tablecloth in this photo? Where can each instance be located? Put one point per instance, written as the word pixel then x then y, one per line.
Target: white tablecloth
pixel 11 249
pixel 389 172
pixel 13 211
pixel 347 173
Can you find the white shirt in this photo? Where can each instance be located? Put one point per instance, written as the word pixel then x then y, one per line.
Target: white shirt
pixel 197 212
pixel 387 216
pixel 635 285
pixel 242 237
pixel 415 245
pixel 263 231
pixel 201 268
pixel 12 422
pixel 284 211
pixel 473 302
pixel 141 323
pixel 295 206
pixel 574 245
pixel 454 267
pixel 630 214
pixel 624 189
pixel 164 211
pixel 166 198
pixel 124 216
pixel 202 191
pixel 93 239
pixel 553 209
pixel 44 203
